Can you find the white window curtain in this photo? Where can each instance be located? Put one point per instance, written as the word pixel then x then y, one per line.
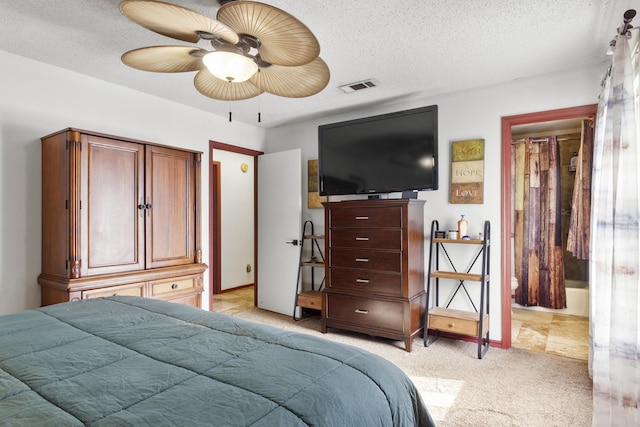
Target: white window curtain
pixel 614 359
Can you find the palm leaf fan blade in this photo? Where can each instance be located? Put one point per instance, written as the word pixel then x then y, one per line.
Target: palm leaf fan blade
pixel 164 59
pixel 213 87
pixel 174 21
pixel 284 39
pixel 294 82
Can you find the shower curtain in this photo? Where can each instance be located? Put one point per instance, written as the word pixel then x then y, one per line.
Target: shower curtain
pixel 614 358
pixel 579 227
pixel 538 224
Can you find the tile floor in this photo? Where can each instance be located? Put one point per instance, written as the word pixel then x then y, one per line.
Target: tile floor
pixel 234 302
pixel 560 334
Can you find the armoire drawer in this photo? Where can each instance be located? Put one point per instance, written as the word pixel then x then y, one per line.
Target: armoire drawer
pixel 367 312
pixel 366 238
pixel 366 259
pixel 177 285
pixel 132 289
pixel 365 282
pixel 388 217
pixel 193 299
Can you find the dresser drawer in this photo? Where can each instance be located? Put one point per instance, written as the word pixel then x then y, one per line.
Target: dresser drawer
pixel 365 282
pixel 366 238
pixel 133 290
pixel 365 312
pixel 389 217
pixel 166 287
pixel 366 259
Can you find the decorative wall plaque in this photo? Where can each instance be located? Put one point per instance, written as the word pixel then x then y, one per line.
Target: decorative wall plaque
pixel 467 172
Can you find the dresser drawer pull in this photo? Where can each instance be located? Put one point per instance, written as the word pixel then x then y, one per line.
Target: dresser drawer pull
pixel 452 325
pixel 362 218
pixel 174 286
pixel 362 259
pixel 362 311
pixel 362 239
pixel 362 280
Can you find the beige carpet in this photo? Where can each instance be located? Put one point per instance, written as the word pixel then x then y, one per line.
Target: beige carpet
pixel 506 388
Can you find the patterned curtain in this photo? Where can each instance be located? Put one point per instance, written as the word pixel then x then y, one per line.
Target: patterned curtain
pixel 538 224
pixel 579 227
pixel 614 359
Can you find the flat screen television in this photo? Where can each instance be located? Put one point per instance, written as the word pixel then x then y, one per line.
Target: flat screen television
pixel 394 152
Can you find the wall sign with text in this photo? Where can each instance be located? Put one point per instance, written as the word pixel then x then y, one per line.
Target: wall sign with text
pixel 467 171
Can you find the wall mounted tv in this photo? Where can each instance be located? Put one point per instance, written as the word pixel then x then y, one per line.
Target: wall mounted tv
pixel 394 152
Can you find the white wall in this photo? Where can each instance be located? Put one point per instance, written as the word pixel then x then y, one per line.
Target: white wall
pixel 237 218
pixel 465 115
pixel 37 99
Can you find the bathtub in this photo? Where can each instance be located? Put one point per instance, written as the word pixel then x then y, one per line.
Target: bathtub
pixel 577 300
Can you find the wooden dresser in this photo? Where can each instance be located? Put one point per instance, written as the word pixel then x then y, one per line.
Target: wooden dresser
pixel 375 268
pixel 119 217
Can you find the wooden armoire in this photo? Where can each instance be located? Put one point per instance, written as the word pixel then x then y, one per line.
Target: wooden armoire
pixel 119 217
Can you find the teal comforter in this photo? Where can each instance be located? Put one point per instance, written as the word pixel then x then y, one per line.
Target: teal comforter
pixel 128 361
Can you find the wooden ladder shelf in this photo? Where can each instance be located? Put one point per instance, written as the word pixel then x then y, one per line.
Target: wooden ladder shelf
pixel 309 298
pixel 442 318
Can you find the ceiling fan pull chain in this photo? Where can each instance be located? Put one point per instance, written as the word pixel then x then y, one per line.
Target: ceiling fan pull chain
pixel 229 98
pixel 259 103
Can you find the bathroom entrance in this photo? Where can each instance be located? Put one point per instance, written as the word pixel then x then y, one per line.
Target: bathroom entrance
pixel 551 164
pixel 560 131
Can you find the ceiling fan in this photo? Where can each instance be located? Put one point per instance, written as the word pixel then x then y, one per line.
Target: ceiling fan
pixel 256 48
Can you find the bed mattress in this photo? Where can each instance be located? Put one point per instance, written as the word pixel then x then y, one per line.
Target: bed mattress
pixel 144 362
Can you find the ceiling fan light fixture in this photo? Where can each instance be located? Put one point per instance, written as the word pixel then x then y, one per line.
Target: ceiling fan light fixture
pixel 257 47
pixel 230 66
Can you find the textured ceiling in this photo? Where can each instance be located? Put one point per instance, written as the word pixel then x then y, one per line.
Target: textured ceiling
pixel 411 48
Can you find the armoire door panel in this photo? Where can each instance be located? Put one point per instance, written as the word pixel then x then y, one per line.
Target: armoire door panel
pixel 55 212
pixel 170 199
pixel 112 222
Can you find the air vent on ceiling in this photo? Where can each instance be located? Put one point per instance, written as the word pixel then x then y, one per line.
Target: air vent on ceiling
pixel 352 87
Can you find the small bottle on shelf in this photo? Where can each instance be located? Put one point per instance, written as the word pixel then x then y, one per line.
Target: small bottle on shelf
pixel 462 227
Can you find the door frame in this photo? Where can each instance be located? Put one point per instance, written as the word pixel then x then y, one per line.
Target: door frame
pixel 507 179
pixel 215 220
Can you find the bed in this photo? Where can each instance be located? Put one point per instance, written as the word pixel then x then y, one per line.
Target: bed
pixel 135 361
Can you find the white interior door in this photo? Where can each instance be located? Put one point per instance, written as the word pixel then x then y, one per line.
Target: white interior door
pixel 279 224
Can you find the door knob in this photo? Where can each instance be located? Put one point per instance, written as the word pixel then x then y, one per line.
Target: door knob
pixel 293 242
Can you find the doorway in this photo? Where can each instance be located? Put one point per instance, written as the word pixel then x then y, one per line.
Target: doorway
pixel 550 312
pixel 216 240
pixel 508 123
